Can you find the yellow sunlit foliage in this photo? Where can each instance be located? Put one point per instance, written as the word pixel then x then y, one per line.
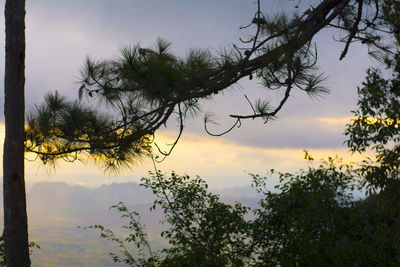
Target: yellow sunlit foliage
pixel 382 121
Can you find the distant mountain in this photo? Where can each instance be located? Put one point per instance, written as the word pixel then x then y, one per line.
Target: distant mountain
pixel 55 209
pixel 54 203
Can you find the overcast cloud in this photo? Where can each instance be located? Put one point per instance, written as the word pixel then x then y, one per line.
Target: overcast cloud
pixel 60 34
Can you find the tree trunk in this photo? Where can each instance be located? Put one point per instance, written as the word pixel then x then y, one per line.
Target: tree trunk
pixel 15 219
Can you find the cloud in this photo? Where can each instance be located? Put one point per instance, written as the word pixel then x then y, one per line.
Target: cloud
pixel 61 33
pixel 229 162
pixel 81 183
pixel 58 219
pixel 221 161
pixel 296 131
pixel 335 121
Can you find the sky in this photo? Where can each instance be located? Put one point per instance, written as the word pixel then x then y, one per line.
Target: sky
pixel 60 34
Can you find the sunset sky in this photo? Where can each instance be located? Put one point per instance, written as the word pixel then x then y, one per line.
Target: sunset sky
pixel 60 34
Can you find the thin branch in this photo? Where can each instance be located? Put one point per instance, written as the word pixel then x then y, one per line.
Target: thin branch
pixel 251 105
pixel 237 124
pixel 165 154
pixel 354 29
pixel 267 114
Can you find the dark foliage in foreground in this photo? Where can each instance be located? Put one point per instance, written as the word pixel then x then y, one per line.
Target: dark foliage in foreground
pixel 313 220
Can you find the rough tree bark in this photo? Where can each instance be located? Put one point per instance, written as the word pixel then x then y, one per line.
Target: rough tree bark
pixel 15 218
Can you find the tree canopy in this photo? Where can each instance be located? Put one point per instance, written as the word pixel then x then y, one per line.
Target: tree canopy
pixel 145 87
pixel 313 219
pixel 376 123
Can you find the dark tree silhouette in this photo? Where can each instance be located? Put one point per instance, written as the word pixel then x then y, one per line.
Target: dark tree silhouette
pixel 377 119
pixel 15 219
pixel 146 87
pixel 311 218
